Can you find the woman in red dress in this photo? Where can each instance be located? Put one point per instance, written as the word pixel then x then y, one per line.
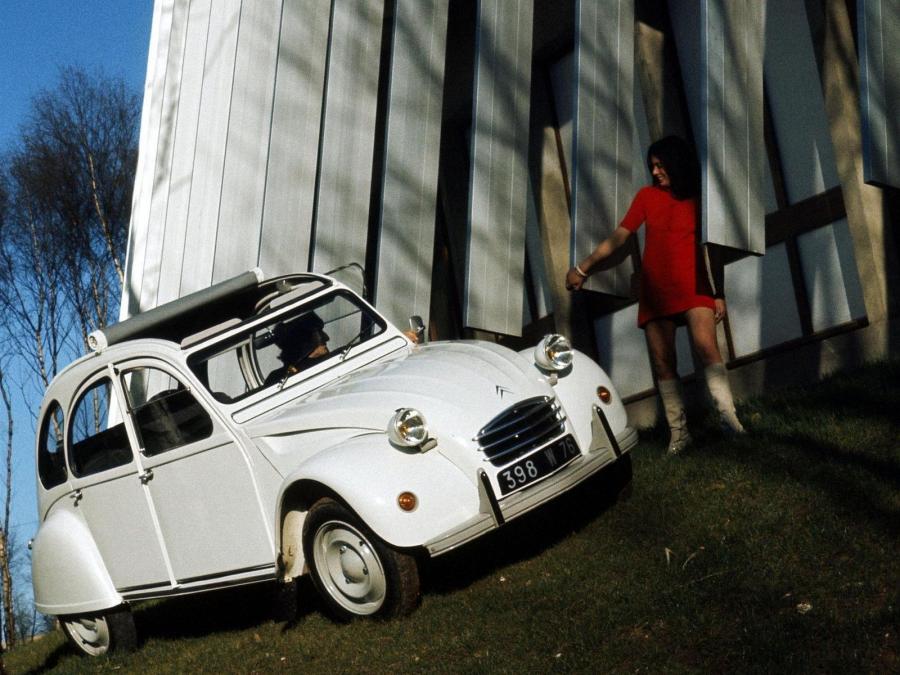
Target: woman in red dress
pixel 675 286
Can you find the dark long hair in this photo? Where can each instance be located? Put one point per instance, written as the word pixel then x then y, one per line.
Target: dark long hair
pixel 680 162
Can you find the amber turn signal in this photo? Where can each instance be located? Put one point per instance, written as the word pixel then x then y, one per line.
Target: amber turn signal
pixel 604 394
pixel 407 501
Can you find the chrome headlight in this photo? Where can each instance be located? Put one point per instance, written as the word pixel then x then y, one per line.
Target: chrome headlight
pixel 408 428
pixel 553 353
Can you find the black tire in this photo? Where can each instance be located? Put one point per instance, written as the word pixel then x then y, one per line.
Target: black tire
pixel 109 632
pixel 354 571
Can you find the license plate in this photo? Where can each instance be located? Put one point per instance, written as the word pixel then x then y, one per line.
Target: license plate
pixel 537 465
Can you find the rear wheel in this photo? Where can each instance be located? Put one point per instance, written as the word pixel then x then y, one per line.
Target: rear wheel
pixel 355 572
pixel 107 632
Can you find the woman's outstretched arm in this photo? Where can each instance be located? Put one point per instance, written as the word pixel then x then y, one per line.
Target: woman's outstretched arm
pixel 577 275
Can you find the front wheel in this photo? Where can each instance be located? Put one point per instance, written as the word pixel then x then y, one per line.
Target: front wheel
pixel 106 632
pixel 355 572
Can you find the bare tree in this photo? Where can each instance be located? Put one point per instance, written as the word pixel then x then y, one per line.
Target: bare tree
pixel 6 582
pixel 75 164
pixel 65 204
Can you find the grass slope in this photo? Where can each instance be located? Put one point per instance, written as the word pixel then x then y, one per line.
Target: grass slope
pixel 777 552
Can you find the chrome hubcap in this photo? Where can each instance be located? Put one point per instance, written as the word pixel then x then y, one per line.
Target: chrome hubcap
pixel 91 634
pixel 349 568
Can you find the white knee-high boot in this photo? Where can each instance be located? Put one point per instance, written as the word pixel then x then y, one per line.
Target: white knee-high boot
pixel 720 391
pixel 673 405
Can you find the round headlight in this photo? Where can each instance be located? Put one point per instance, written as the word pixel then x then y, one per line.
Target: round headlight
pixel 408 428
pixel 553 353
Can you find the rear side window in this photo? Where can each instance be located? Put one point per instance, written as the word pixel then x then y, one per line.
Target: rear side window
pixel 51 463
pixel 97 437
pixel 166 415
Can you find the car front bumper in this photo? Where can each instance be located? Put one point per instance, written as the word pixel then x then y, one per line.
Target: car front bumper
pixel 605 449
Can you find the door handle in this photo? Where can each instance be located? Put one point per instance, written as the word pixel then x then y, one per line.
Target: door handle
pixel 146 476
pixel 76 497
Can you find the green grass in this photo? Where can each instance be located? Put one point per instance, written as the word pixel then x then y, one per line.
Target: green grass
pixel 777 552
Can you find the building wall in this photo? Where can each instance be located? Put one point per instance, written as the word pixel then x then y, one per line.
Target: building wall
pixel 464 152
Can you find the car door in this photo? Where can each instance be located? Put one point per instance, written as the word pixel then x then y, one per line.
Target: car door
pixel 202 484
pixel 107 489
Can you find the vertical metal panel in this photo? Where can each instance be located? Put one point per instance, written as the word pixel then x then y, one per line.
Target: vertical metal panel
pixel 294 144
pixel 151 113
pixel 165 147
pixel 602 185
pixel 499 174
pixel 247 144
pixel 796 103
pixel 342 212
pixel 209 153
pixel 182 167
pixel 727 113
pixel 879 61
pixel 406 245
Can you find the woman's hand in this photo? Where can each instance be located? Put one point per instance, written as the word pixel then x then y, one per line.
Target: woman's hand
pixel 574 280
pixel 720 310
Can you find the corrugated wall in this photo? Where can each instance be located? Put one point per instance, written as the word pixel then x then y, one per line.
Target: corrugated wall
pixel 305 134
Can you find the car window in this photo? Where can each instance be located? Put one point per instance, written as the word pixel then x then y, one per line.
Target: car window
pixel 51 463
pixel 97 437
pixel 298 340
pixel 166 415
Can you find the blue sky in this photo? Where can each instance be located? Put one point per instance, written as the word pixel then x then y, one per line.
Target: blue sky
pixel 38 37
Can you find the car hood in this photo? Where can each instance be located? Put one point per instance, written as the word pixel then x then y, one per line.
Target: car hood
pixel 458 386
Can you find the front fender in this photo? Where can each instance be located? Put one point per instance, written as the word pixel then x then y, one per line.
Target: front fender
pixel 67 572
pixel 576 390
pixel 368 473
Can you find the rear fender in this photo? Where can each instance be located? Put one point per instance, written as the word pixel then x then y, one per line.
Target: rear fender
pixel 67 572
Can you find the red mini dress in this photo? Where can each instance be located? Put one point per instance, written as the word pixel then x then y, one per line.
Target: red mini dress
pixel 673 272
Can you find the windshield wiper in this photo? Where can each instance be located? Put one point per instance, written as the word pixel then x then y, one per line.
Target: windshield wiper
pixel 356 339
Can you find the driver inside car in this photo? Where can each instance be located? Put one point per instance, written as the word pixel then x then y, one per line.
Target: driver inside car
pixel 303 342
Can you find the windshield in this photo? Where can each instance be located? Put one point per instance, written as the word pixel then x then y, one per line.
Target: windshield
pixel 301 339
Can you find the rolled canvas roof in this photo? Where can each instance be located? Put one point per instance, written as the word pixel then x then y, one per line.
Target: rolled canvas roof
pixel 160 321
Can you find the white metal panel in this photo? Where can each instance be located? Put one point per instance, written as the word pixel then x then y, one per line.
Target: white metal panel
pixel 412 150
pixel 294 145
pixel 499 168
pixel 829 270
pixel 762 311
pixel 879 65
pixel 796 103
pixel 602 188
pixel 151 112
pixel 209 153
pixel 348 134
pixel 182 166
pixel 247 144
pixel 152 271
pixel 720 49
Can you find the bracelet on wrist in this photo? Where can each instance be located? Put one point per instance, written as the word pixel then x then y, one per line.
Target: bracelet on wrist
pixel 580 272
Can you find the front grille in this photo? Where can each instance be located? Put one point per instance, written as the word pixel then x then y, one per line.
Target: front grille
pixel 521 428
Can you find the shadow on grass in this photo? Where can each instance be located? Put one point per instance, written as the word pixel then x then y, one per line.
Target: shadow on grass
pixel 528 535
pixel 53 659
pixel 230 609
pixel 853 481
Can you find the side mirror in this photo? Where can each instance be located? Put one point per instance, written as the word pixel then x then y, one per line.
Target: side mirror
pixel 417 328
